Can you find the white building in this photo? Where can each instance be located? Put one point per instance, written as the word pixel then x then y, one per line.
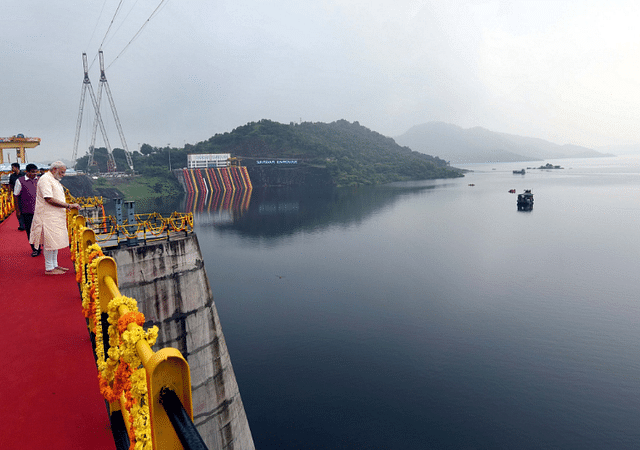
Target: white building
pixel 205 161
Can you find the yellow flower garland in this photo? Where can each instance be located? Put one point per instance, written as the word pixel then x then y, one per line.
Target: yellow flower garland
pixel 140 410
pixel 121 351
pixel 124 351
pixel 120 369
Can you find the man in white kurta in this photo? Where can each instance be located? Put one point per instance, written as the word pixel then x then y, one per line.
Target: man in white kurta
pixel 49 227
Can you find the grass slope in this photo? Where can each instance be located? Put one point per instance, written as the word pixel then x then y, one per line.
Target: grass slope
pixel 141 187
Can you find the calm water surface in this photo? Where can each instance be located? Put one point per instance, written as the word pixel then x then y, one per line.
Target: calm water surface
pixel 434 314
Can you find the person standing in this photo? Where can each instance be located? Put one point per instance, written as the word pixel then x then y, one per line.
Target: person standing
pixel 15 174
pixel 49 227
pixel 25 198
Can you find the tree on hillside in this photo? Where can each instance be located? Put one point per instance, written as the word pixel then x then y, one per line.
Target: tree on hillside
pixel 352 153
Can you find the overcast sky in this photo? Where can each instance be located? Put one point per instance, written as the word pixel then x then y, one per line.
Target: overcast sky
pixel 565 71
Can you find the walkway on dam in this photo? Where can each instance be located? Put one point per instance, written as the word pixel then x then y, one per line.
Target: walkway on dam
pixel 48 377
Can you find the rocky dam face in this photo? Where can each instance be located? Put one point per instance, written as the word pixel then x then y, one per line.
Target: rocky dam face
pixel 169 282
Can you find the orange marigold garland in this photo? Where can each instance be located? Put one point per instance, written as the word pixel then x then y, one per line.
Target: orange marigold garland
pixel 121 382
pixel 130 317
pixel 129 378
pixel 119 371
pixel 90 283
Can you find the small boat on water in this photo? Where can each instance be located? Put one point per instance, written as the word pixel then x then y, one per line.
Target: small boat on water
pixel 525 201
pixel 512 191
pixel 519 172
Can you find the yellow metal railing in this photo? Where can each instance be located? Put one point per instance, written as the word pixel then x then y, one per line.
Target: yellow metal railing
pixel 131 375
pixel 147 227
pixel 84 201
pixel 6 202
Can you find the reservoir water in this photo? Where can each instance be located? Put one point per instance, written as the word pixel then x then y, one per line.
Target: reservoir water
pixel 434 315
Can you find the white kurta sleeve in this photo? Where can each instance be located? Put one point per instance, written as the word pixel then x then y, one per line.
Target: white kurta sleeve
pixel 46 189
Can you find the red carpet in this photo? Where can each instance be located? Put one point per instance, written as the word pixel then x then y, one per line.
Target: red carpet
pixel 48 385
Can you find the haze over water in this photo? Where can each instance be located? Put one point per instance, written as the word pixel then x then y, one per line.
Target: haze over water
pixel 434 314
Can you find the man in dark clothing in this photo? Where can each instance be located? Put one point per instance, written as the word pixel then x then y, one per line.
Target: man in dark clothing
pixel 15 174
pixel 25 198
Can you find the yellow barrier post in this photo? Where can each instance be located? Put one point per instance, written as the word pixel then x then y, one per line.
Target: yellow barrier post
pixel 77 224
pixel 80 221
pixel 107 269
pixel 168 369
pixel 71 221
pixel 85 238
pixel 165 369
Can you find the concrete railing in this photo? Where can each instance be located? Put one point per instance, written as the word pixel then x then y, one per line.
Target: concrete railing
pixel 149 393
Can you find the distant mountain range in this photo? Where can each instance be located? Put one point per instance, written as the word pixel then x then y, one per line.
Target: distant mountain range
pixel 479 145
pixel 629 149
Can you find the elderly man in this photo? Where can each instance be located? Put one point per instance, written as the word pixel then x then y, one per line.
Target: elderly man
pixel 49 226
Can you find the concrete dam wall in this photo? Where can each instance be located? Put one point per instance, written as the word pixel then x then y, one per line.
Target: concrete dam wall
pixel 223 179
pixel 289 176
pixel 169 281
pixel 201 181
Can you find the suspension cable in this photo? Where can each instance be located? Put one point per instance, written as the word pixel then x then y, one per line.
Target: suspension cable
pixel 138 33
pixel 123 20
pixel 96 26
pixel 111 24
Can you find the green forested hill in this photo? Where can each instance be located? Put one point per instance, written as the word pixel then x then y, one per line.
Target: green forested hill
pixel 352 154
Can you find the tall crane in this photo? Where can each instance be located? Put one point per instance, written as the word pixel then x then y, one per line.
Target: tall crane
pixel 20 143
pixel 86 86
